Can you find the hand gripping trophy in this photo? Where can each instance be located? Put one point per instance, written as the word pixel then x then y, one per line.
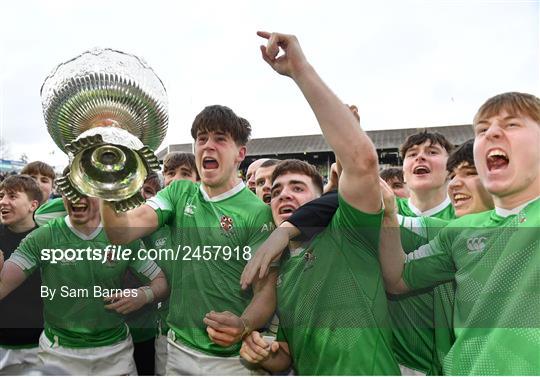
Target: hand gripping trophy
pixel 107 110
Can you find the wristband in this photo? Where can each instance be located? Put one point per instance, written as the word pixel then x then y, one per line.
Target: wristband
pixel 247 328
pixel 148 293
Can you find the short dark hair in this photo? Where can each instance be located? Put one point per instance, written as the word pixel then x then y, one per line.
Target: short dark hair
pixel 513 102
pixel 270 162
pixel 174 160
pixel 390 173
pixel 300 167
pixel 221 118
pixel 22 183
pixel 463 153
pixel 421 137
pixel 153 179
pixel 39 167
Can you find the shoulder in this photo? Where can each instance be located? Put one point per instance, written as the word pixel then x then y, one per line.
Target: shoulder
pixel 347 212
pixel 471 220
pixel 181 186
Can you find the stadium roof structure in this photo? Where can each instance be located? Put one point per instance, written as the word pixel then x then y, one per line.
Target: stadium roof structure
pixel 383 139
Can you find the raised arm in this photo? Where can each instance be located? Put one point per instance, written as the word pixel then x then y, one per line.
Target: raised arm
pixel 124 227
pixel 358 184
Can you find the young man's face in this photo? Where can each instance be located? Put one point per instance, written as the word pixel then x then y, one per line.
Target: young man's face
pixel 15 206
pixel 149 190
pixel 263 183
pixel 507 156
pixel 398 187
pixel 466 191
pixel 217 157
pixel 290 191
pixel 85 210
pixel 424 167
pixel 45 184
pixel 181 172
pixel 250 173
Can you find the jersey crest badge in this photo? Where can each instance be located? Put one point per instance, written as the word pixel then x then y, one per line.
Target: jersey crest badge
pixel 189 210
pixel 476 244
pixel 160 242
pixel 226 224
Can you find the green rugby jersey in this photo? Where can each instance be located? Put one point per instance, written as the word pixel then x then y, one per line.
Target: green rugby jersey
pixel 50 210
pixel 494 258
pixel 81 321
pixel 422 325
pixel 215 238
pixel 444 211
pixel 422 319
pixel 161 239
pixel 331 300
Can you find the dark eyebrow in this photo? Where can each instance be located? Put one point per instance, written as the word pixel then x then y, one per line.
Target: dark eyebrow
pixel 294 182
pixel 275 186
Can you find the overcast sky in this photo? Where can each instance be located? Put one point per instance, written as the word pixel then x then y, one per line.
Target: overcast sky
pixel 403 63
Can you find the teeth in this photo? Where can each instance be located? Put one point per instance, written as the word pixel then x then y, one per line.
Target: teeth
pixel 460 197
pixel 497 153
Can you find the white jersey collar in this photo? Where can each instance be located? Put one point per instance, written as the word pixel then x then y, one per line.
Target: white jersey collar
pixel 432 211
pixel 83 236
pixel 235 190
pixel 514 211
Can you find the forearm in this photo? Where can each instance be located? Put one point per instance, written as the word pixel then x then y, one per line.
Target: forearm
pixel 160 288
pixel 263 304
pixel 11 276
pixel 116 225
pixel 391 255
pixel 340 128
pixel 125 227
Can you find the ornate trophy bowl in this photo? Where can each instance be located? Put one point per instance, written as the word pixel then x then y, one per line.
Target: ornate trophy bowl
pixel 107 110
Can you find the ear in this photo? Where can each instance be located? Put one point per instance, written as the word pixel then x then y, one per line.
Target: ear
pixel 241 154
pixel 34 204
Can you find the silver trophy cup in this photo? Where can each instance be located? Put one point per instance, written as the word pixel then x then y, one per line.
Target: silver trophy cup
pixel 108 111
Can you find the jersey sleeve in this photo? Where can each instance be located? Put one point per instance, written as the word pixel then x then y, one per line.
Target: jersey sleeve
pixel 28 255
pixel 359 227
pixel 418 231
pixel 314 216
pixel 164 203
pixel 145 269
pixel 50 210
pixel 261 227
pixel 430 264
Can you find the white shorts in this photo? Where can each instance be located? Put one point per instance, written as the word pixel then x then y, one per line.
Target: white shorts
pixel 182 360
pixel 405 371
pixel 16 361
pixel 161 355
pixel 113 360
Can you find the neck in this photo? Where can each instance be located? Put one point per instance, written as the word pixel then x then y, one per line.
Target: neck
pixel 22 226
pixel 514 201
pixel 214 191
pixel 425 200
pixel 87 228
